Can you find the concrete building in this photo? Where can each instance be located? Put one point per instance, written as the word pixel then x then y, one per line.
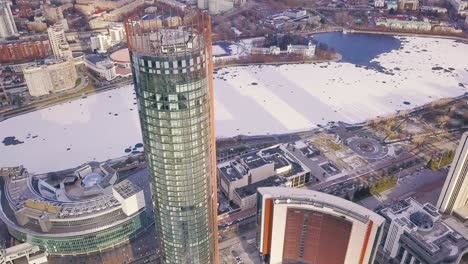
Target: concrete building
pixel 460 6
pixel 101 67
pixel 54 76
pixel 7 22
pixel 392 5
pixel 303 50
pixel 55 13
pixel 404 24
pixel 304 226
pixel 91 214
pixel 454 196
pixel 295 13
pixel 173 73
pixel 411 5
pixel 379 3
pixel 23 253
pixel 211 5
pixel 246 197
pixel 58 42
pixel 251 168
pixel 118 13
pixel 100 43
pixel 24 50
pixel 417 234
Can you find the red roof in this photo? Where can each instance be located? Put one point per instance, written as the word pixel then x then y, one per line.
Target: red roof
pixel 99 11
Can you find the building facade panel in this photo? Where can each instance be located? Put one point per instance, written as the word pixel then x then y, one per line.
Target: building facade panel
pixel 173 81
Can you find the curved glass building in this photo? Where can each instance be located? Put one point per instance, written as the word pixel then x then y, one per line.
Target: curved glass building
pixel 172 71
pixel 63 217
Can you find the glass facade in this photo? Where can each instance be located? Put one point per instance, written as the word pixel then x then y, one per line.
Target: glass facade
pixel 174 92
pixel 81 244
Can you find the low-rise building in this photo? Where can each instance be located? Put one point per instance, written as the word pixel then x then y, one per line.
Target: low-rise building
pixel 100 66
pixel 392 5
pixel 404 24
pixel 272 50
pixel 304 50
pixel 23 253
pixel 417 233
pixel 434 9
pixel 460 6
pixel 411 5
pixel 295 13
pixel 246 197
pixel 118 13
pixel 54 76
pixel 251 168
pixel 379 3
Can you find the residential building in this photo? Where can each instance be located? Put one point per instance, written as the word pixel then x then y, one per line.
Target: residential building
pixel 37 26
pixel 119 13
pixel 417 234
pixel 454 196
pixel 379 3
pixel 58 42
pixel 101 67
pixel 172 71
pixel 26 50
pixel 117 34
pixel 211 5
pixel 100 43
pixel 305 226
pixel 460 6
pixel 54 76
pixel 435 9
pixel 392 5
pixel 411 5
pixel 295 13
pixel 89 215
pixel 55 13
pixel 7 22
pixel 399 24
pixel 303 50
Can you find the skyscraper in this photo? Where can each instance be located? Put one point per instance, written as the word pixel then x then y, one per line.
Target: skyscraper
pixel 7 23
pixel 454 195
pixel 309 227
pixel 172 71
pixel 58 42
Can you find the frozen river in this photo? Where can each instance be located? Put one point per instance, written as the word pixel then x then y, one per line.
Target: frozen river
pixel 250 100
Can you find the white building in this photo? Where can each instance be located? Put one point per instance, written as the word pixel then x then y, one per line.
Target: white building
pixel 461 6
pixel 454 196
pixel 305 226
pixel 101 66
pixel 7 22
pixel 100 43
pixel 58 42
pixel 117 34
pixel 379 3
pixel 23 253
pixel 129 196
pixel 304 50
pixel 416 233
pixel 295 13
pixel 52 77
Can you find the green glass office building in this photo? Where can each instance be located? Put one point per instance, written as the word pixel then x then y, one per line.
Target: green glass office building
pixel 172 71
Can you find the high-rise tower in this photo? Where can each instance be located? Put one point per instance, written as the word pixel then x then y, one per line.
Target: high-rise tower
pixel 454 195
pixel 7 23
pixel 172 71
pixel 58 42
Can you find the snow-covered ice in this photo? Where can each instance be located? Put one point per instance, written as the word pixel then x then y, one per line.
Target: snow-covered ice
pixel 248 100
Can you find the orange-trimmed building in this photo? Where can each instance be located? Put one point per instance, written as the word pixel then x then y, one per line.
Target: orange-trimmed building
pixel 309 227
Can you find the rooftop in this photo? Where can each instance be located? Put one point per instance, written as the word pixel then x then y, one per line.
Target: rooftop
pixel 126 189
pixel 425 227
pixel 95 59
pixel 121 56
pixel 253 161
pixel 251 189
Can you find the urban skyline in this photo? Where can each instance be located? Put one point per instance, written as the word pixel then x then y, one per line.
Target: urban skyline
pixel 233 131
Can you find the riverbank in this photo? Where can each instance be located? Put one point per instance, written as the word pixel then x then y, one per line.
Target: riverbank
pixel 406 34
